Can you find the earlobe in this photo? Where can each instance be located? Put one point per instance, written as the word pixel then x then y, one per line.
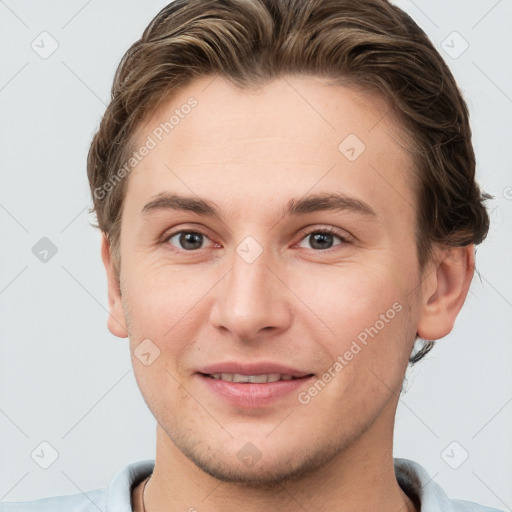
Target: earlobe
pixel 116 321
pixel 444 291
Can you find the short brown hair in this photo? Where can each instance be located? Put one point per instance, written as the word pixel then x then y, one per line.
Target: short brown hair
pixel 371 45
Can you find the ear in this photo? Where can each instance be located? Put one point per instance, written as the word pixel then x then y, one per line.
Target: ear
pixel 445 287
pixel 116 321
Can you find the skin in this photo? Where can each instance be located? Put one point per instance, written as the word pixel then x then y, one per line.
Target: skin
pixel 250 152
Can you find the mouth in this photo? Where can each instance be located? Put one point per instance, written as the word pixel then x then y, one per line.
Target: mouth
pixel 253 391
pixel 263 378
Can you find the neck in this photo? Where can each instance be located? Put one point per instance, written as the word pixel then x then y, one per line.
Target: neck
pixel 360 477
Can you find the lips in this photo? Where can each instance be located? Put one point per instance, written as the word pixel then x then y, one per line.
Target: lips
pixel 252 385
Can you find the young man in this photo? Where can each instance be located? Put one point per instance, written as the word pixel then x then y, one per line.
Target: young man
pixel 287 194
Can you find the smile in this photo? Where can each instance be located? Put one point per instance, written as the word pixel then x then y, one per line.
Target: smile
pixel 253 391
pixel 255 379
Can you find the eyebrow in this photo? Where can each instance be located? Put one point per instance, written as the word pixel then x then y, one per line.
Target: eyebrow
pixel 302 206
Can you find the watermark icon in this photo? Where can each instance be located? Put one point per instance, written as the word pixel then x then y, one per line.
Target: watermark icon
pixel 507 193
pixel 304 397
pixel 455 455
pixel 454 45
pixel 351 147
pixel 249 454
pixel 152 141
pixel 44 250
pixel 45 45
pixel 146 352
pixel 44 454
pixel 249 249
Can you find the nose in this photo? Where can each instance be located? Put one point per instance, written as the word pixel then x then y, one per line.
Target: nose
pixel 251 300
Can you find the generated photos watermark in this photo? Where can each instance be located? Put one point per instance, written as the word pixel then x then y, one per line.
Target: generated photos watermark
pixel 152 141
pixel 361 341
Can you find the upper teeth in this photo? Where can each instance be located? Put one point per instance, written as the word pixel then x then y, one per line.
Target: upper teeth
pixel 257 379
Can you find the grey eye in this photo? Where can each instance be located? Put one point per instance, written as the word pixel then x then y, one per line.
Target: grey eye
pixel 321 240
pixel 188 240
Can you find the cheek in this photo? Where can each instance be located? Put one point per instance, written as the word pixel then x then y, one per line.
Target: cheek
pixel 161 304
pixel 162 300
pixel 159 384
pixel 349 299
pixel 366 311
pixel 169 307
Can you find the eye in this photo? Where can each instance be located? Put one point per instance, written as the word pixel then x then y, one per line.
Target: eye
pixel 322 239
pixel 187 240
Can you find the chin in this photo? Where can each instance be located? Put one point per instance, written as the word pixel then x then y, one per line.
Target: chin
pixel 249 467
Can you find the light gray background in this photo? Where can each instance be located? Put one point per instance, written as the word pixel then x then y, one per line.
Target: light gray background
pixel 66 380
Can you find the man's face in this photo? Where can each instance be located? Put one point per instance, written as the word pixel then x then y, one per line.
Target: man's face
pixel 254 283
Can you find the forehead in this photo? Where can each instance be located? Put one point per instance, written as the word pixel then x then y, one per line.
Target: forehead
pixel 276 141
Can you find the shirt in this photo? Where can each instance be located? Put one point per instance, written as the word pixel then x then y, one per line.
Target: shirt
pixel 411 477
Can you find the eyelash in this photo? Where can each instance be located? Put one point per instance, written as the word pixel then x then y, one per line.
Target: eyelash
pixel 324 231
